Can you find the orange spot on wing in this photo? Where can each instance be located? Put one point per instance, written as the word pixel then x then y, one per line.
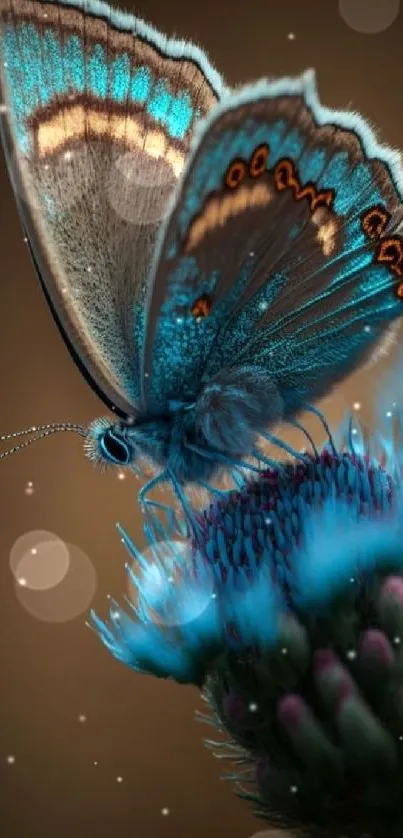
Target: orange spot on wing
pixel 258 161
pixel 307 191
pixel 284 175
pixel 323 199
pixel 390 252
pixel 236 173
pixel 202 306
pixel 374 222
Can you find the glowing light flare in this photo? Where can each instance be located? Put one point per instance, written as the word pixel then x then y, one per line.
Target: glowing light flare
pixel 66 600
pixel 369 16
pixel 39 560
pixel 162 587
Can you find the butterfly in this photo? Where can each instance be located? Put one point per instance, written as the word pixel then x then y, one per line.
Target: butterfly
pixel 216 260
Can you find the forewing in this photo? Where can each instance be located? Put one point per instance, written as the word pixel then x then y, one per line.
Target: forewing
pixel 282 250
pixel 98 112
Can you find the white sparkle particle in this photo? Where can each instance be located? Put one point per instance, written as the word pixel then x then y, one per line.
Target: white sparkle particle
pixel 46 167
pixel 34 551
pixel 82 718
pixel 25 239
pixel 291 36
pixel 3 108
pixel 5 64
pixel 213 596
pixel 179 320
pixel 95 762
pixel 89 269
pixel 389 414
pixel 29 488
pixel 11 759
pixel 68 154
pixel 396 640
pixel 400 738
pixel 253 707
pixel 263 306
pixel 22 581
pixel 121 475
pixel 354 432
pixel 352 580
pixel 293 789
pixel 351 654
pixel 165 811
pixel 284 651
pixel 357 405
pixel 119 779
pixel 367 329
pixel 115 615
pixel 268 521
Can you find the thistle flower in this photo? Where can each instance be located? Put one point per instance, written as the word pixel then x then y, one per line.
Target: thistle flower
pixel 286 610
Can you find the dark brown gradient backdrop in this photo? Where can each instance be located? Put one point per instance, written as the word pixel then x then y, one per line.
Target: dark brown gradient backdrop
pixel 58 775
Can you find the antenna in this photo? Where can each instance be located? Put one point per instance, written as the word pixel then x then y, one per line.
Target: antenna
pixel 39 432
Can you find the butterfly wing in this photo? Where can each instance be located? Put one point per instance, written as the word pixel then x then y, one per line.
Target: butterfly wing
pixel 98 111
pixel 282 250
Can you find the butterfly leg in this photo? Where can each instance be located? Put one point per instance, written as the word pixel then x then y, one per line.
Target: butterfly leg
pixel 295 424
pixel 146 504
pixel 219 493
pixel 275 440
pixel 315 410
pixel 186 506
pixel 238 478
pixel 209 454
pixel 274 464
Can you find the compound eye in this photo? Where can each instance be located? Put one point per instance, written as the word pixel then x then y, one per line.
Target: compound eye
pixel 115 448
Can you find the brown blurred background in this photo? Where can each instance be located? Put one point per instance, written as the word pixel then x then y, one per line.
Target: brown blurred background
pixel 87 747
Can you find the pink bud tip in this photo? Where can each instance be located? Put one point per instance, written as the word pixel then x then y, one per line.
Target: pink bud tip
pixel 323 659
pixel 393 586
pixel 290 710
pixel 375 646
pixel 346 691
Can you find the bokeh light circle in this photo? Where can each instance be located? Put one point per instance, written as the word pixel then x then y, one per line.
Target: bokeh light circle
pixel 67 600
pixel 172 596
pixel 39 560
pixel 369 16
pixel 139 188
